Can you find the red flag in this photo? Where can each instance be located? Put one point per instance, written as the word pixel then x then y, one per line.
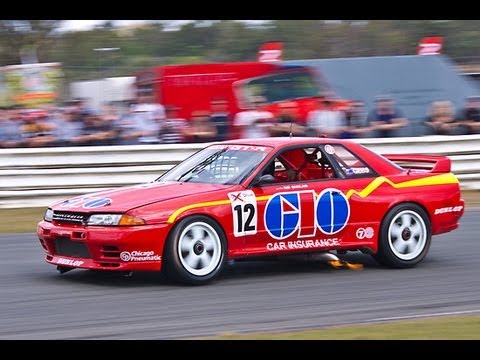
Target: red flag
pixel 430 45
pixel 270 51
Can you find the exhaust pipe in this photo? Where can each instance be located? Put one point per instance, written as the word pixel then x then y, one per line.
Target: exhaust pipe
pixel 334 261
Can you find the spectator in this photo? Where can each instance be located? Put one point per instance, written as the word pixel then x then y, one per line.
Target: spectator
pixel 37 129
pixel 9 130
pixel 173 127
pixel 220 116
pixel 287 122
pixel 469 117
pixel 441 119
pixel 68 131
pixel 81 109
pixel 385 119
pixel 97 131
pixel 129 127
pixel 254 123
pixel 355 121
pixel 109 112
pixel 326 121
pixel 200 128
pixel 146 120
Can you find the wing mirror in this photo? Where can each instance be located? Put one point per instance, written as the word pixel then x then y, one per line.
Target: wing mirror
pixel 264 179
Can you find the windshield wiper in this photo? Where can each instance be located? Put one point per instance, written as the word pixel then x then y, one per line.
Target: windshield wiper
pixel 201 166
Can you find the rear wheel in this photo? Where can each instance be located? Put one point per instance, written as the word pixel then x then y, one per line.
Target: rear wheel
pixel 405 236
pixel 196 250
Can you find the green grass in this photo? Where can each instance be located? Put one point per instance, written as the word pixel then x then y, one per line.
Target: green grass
pixel 20 220
pixel 440 328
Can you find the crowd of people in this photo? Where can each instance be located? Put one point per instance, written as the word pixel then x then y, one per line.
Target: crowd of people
pixel 147 122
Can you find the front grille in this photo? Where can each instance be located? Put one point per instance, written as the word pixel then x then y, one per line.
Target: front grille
pixel 70 217
pixel 67 247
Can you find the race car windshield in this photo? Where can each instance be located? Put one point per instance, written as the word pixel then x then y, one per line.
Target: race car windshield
pixel 215 165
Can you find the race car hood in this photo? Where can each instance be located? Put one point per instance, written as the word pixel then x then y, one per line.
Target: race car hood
pixel 125 198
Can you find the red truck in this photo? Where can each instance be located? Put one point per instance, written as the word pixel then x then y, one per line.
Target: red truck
pixel 192 87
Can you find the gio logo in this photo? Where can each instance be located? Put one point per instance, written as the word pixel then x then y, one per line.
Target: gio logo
pixel 302 213
pixel 87 202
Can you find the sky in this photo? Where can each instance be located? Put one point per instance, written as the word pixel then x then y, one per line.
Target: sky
pixel 82 25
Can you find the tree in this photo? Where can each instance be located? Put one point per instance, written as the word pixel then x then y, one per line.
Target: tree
pixel 26 40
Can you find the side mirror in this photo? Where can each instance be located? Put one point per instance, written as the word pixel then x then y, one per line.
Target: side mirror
pixel 264 179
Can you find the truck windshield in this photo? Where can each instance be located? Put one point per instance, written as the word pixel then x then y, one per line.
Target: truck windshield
pixel 284 86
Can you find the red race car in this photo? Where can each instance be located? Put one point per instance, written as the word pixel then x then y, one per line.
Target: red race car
pixel 254 197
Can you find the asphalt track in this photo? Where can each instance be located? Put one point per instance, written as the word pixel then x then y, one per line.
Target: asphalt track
pixel 38 303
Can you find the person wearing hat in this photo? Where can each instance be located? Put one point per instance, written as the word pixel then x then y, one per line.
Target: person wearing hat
pixel 385 119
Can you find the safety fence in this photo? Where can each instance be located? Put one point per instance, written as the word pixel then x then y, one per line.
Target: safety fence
pixel 38 176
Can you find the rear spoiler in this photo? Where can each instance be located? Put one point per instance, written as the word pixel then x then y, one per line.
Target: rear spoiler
pixel 431 163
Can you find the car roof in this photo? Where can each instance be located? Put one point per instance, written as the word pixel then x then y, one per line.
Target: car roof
pixel 380 164
pixel 278 142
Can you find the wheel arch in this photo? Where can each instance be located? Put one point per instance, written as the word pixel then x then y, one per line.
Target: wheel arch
pixel 406 202
pixel 188 214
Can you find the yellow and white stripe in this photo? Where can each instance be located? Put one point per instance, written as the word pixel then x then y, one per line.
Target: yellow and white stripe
pixel 441 179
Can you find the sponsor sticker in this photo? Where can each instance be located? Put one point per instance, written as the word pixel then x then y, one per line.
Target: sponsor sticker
pixel 329 149
pixel 448 209
pixel 244 210
pixel 67 262
pixel 364 233
pixel 241 147
pixel 303 244
pixel 302 213
pixel 360 170
pixel 87 202
pixel 132 256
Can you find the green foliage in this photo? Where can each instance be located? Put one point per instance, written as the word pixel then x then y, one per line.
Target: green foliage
pixel 222 40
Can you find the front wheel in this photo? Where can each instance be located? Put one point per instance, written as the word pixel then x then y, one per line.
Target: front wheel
pixel 196 250
pixel 405 236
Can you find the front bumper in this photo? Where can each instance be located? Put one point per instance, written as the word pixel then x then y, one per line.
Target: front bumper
pixel 135 248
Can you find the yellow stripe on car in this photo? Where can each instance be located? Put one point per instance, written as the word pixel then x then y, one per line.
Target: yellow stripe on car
pixel 441 179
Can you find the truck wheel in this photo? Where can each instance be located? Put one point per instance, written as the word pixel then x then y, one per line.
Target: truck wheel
pixel 405 236
pixel 196 250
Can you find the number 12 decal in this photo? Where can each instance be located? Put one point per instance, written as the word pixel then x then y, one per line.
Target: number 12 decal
pixel 244 211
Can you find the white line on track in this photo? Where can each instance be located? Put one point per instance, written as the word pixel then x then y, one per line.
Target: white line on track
pixel 426 315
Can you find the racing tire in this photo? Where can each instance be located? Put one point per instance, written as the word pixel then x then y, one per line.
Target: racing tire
pixel 195 252
pixel 405 236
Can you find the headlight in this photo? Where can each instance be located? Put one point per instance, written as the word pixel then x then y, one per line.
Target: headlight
pixel 48 215
pixel 114 220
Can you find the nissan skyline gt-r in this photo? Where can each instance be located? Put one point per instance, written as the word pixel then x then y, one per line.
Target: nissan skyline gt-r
pixel 248 198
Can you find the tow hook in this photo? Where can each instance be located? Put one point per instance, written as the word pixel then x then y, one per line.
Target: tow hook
pixel 63 269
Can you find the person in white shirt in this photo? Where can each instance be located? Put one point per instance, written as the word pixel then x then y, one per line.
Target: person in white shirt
pixel 326 121
pixel 147 117
pixel 254 123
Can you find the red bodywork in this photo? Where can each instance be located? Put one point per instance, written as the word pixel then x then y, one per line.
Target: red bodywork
pixel 366 197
